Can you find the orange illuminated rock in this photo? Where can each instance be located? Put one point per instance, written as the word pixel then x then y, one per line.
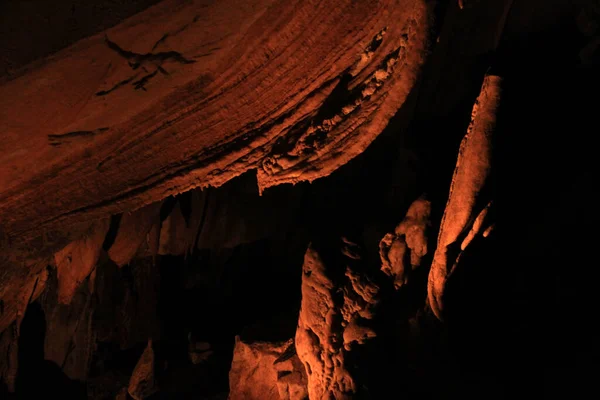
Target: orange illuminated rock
pixel 192 94
pixel 133 230
pixel 76 261
pixel 468 202
pixel 338 301
pixel 402 250
pixel 266 371
pixel 9 361
pixel 188 95
pixel 143 381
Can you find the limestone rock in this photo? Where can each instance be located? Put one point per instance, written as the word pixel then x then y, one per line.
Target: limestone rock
pixel 235 214
pixel 174 233
pixel 147 111
pixel 266 371
pixel 133 229
pixel 402 250
pixel 143 380
pixel 338 300
pixel 468 201
pixel 70 335
pixel 291 375
pixel 77 260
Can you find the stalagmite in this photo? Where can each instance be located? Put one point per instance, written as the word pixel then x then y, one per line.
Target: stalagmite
pixel 284 183
pixel 402 250
pixel 469 197
pixel 338 301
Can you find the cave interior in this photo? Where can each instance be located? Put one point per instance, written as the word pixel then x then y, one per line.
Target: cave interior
pixel 321 279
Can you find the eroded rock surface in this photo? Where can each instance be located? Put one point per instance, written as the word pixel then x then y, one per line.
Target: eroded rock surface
pixel 402 250
pixel 266 371
pixel 194 93
pixel 143 380
pixel 338 301
pixel 133 230
pixel 188 95
pixel 77 260
pixel 231 108
pixel 469 197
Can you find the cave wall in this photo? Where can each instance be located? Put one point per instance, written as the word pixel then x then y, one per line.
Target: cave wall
pixel 223 284
pixel 33 29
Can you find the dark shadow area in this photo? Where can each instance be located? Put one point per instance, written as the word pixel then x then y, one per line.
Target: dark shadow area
pixel 520 310
pixel 36 377
pixel 211 296
pixel 24 26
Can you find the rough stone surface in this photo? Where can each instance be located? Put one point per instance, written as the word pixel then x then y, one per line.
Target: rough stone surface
pixel 133 229
pixel 192 94
pixel 143 381
pixel 77 260
pixel 230 109
pixel 266 371
pixel 402 250
pixel 150 123
pixel 174 234
pixel 338 301
pixel 468 199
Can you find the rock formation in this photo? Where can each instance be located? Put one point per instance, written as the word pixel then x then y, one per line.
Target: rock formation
pixel 338 305
pixel 273 199
pixel 403 250
pixel 142 384
pixel 469 201
pixel 372 72
pixel 270 371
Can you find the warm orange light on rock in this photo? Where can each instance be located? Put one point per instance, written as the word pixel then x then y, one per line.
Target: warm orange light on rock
pixel 338 300
pixel 467 201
